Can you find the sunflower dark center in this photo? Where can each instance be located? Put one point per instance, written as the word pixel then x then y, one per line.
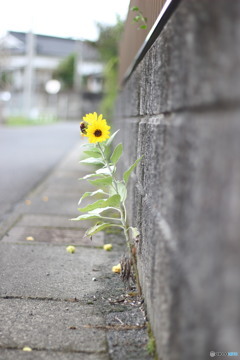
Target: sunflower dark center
pixel 98 133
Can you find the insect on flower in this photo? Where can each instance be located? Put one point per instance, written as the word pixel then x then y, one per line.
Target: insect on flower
pixel 83 127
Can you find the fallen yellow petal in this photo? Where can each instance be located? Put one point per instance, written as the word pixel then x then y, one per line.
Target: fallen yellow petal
pixel 45 198
pixel 71 249
pixel 30 238
pixel 116 268
pixel 28 202
pixel 107 247
pixel 27 348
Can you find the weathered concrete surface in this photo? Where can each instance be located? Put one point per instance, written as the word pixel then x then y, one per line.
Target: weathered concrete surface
pixel 69 204
pixel 184 117
pixel 59 274
pixel 49 355
pixel 51 325
pixel 20 234
pixel 49 221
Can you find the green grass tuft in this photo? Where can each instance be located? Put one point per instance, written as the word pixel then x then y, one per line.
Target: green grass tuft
pixel 25 121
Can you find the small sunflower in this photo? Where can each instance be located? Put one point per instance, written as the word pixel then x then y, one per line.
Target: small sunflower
pixel 98 131
pixel 92 117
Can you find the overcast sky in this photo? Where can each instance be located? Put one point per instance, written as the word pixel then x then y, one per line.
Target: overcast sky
pixel 66 18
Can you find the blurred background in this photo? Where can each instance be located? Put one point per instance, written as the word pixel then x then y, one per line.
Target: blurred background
pixel 58 61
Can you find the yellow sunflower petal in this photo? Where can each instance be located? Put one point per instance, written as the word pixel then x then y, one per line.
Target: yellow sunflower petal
pixel 90 118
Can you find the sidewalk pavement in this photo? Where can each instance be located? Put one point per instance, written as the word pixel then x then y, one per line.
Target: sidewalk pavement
pixel 64 306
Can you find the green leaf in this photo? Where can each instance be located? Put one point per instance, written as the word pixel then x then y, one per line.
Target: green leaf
pixel 105 181
pixel 129 171
pixel 100 211
pixel 116 153
pixel 105 171
pixel 92 161
pixel 113 201
pixel 110 140
pixel 90 176
pixel 137 18
pixel 94 154
pixel 111 191
pixel 107 152
pixel 88 146
pixel 85 145
pixel 98 227
pixel 143 26
pixel 86 217
pixel 122 190
pixel 86 194
pixel 134 8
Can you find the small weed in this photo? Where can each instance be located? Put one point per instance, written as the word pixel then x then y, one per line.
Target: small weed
pixel 151 345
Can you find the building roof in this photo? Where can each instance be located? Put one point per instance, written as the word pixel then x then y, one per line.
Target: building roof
pixel 54 46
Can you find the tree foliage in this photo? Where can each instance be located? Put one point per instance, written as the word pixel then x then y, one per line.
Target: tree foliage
pixel 108 41
pixel 108 45
pixel 5 80
pixel 65 71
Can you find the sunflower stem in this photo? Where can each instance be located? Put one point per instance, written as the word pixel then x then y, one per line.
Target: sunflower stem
pixel 109 168
pixel 123 219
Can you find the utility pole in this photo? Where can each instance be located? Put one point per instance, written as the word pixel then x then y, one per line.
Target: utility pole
pixel 77 73
pixel 28 91
pixel 4 83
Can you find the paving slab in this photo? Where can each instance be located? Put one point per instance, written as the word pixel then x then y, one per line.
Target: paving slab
pixel 57 180
pixel 51 272
pixel 72 162
pixel 61 174
pixel 49 355
pixel 58 188
pixel 58 204
pixel 67 184
pixel 20 235
pixel 51 325
pixel 50 221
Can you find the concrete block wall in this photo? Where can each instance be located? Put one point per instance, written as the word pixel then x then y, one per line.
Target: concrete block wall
pixel 181 109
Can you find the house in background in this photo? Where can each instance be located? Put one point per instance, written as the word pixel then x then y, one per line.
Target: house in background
pixel 28 62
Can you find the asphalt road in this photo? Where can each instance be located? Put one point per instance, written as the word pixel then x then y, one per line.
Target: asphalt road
pixel 27 155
